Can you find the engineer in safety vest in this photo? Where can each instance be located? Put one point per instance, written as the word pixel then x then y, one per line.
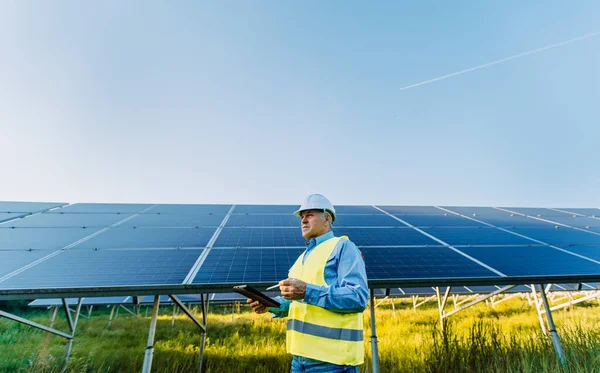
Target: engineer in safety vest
pixel 323 297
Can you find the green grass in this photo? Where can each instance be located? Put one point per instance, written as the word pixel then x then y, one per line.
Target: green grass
pixel 479 339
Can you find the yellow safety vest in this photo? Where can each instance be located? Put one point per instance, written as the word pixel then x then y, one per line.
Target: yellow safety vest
pixel 315 332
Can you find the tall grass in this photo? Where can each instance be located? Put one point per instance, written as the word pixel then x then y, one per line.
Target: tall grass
pixel 479 339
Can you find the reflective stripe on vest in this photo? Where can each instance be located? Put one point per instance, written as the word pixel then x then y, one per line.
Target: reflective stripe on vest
pixel 315 332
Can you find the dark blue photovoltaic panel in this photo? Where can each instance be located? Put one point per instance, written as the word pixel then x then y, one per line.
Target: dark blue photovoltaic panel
pixel 41 238
pixel 478 211
pixel 239 266
pixel 149 237
pixel 90 208
pixel 583 211
pixel 534 211
pixel 342 209
pixel 190 209
pixel 175 220
pixel 50 220
pixel 245 220
pixel 11 260
pixel 72 268
pixel 476 236
pixel 5 216
pixel 412 210
pixel 449 220
pixel 560 236
pixel 592 252
pixel 265 209
pixel 85 301
pixel 27 206
pixel 579 221
pixel 384 236
pixel 381 220
pixel 422 262
pixel 506 220
pixel 260 237
pixel 532 261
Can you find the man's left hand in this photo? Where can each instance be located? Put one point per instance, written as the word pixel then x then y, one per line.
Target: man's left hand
pixel 292 288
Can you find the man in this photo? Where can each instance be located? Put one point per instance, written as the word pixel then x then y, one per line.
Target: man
pixel 324 296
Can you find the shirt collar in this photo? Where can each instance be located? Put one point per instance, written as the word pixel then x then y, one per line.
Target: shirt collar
pixel 320 239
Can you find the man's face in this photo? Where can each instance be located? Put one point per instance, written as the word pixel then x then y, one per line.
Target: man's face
pixel 314 223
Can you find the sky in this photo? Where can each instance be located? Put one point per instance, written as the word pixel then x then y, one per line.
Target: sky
pixel 268 101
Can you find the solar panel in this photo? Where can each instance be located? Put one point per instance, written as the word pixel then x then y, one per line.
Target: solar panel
pixel 242 265
pixel 12 260
pixel 260 237
pixel 41 238
pixel 27 206
pixel 265 209
pixel 190 209
pixel 583 211
pixel 422 262
pixel 438 221
pixel 343 209
pixel 476 236
pixel 108 268
pixel 532 261
pixel 380 220
pixel 560 236
pixel 246 220
pixel 122 237
pixel 412 210
pixel 579 221
pixel 175 220
pixel 52 220
pixel 592 252
pixel 403 236
pixel 89 208
pixel 93 301
pixel 541 212
pixel 5 216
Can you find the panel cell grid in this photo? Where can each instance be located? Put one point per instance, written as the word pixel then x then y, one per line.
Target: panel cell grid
pixel 50 220
pixel 190 209
pixel 175 220
pixel 476 236
pixel 260 237
pixel 579 221
pixel 343 209
pixel 421 262
pixel 247 220
pixel 92 208
pixel 560 236
pixel 583 211
pixel 107 268
pixel 27 206
pixel 592 252
pixel 536 211
pixel 412 210
pixel 11 260
pixel 41 238
pixel 449 220
pixel 265 209
pixel 239 266
pixel 398 236
pixel 122 237
pixel 6 216
pixel 532 261
pixel 380 220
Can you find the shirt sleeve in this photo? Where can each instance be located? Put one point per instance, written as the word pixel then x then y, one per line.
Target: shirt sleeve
pixel 350 293
pixel 283 309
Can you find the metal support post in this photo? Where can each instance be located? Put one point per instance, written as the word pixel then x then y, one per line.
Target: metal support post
pixel 53 316
pixel 393 306
pixel 72 327
pixel 204 307
pixel 173 317
pixel 374 349
pixel 538 309
pixel 553 333
pixel 150 346
pixel 110 318
pixel 442 304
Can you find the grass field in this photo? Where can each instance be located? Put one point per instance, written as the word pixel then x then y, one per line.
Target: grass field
pixel 479 339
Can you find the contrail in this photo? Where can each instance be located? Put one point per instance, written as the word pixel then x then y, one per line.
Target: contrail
pixel 538 50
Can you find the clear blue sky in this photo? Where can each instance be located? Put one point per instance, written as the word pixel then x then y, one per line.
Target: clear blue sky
pixel 265 102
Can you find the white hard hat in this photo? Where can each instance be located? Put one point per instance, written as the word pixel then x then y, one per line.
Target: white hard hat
pixel 316 202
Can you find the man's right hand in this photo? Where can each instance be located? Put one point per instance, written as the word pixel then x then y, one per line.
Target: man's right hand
pixel 257 306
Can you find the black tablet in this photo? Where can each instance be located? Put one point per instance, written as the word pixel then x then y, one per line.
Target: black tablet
pixel 256 295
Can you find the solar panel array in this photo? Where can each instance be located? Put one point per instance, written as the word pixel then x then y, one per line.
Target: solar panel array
pixel 45 246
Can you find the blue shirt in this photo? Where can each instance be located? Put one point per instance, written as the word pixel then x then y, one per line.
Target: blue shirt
pixel 346 291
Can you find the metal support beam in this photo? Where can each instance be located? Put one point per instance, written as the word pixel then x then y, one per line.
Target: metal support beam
pixel 110 318
pixel 72 326
pixel 150 346
pixel 552 328
pixel 33 324
pixel 53 318
pixel 128 310
pixel 442 304
pixel 481 299
pixel 204 306
pixel 538 309
pixel 374 349
pixel 188 312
